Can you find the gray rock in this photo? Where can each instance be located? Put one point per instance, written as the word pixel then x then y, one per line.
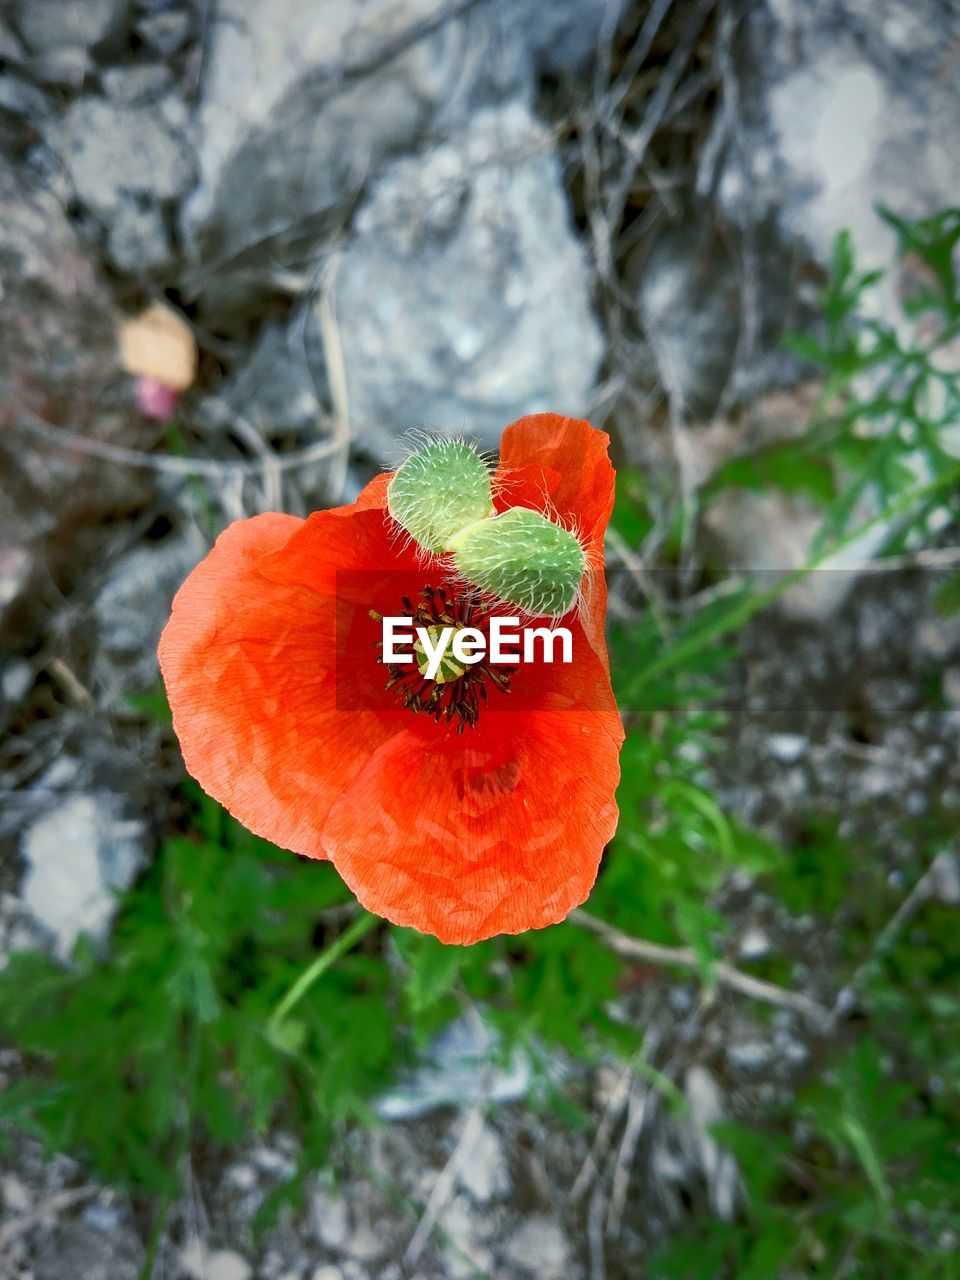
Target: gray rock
pixel 464 298
pixel 688 311
pixel 749 1055
pixel 287 82
pixel 717 1166
pixel 167 32
pixel 20 98
pixel 224 1264
pixel 843 106
pixel 753 943
pixel 689 305
pixel 127 86
pixel 16 677
pixel 331 1221
pixel 788 748
pixel 16 567
pixel 137 237
pixel 126 163
pixel 466 1255
pixel 59 351
pixel 79 855
pixel 539 1247
pixel 279 385
pixel 132 606
pixel 69 1247
pixel 458 1071
pixel 484 1173
pixel 49 25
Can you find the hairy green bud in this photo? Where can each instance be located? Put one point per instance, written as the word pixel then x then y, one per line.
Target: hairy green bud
pixel 438 490
pixel 523 558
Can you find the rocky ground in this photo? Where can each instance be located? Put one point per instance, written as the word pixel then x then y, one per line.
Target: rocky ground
pixel 388 216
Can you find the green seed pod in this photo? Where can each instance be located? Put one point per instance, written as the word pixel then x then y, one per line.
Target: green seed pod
pixel 523 558
pixel 438 490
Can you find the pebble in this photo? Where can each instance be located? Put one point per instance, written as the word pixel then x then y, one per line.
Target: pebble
pixel 788 748
pixel 224 1264
pixel 540 1248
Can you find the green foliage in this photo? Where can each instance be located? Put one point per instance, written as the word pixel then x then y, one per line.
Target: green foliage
pixel 889 412
pixel 162 1044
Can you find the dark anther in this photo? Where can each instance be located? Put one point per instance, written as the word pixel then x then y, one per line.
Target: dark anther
pixel 453 699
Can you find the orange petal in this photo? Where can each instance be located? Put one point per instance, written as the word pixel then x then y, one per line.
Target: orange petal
pixel 498 830
pixel 548 460
pixel 248 658
pixel 374 494
pixel 578 475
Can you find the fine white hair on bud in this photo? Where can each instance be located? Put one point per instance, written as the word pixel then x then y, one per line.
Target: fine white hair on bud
pixel 523 558
pixel 438 491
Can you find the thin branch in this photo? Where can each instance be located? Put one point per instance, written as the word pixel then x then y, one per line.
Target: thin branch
pixel 443 1187
pixel 63 438
pixel 590 1168
pixel 640 1097
pixel 927 887
pixel 724 974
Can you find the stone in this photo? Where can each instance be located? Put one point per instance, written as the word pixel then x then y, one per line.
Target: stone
pixel 79 854
pixel 71 1248
pixel 16 568
pixel 46 26
pixel 464 297
pixel 841 111
pixel 753 944
pixel 749 1055
pixel 58 352
pixel 103 1216
pixel 16 1196
pixel 130 86
pixel 224 1264
pixel 281 384
pixel 167 32
pixel 326 1273
pixel 456 1072
pixel 687 308
pixel 132 606
pixel 540 1248
pixel 331 1221
pixel 484 1173
pixel 465 1256
pixel 285 83
pixel 788 748
pixel 705 1108
pixel 126 163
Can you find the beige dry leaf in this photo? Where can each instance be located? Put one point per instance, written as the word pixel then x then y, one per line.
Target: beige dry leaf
pixel 159 344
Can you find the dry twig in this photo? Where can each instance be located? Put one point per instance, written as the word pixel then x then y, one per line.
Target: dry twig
pixel 724 974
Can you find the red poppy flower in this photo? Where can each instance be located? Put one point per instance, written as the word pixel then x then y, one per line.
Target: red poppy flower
pixel 481 809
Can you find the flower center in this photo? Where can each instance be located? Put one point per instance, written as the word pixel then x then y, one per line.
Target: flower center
pixel 457 688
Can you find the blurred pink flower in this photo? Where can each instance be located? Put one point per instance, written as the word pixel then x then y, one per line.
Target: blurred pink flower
pixel 156 399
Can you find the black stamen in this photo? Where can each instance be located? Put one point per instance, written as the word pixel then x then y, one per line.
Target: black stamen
pixel 451 699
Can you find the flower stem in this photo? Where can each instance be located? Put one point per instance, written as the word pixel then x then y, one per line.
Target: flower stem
pixel 327 958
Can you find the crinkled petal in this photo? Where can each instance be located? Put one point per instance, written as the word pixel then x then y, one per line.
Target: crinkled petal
pixel 497 830
pixel 561 465
pixel 573 469
pixel 249 661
